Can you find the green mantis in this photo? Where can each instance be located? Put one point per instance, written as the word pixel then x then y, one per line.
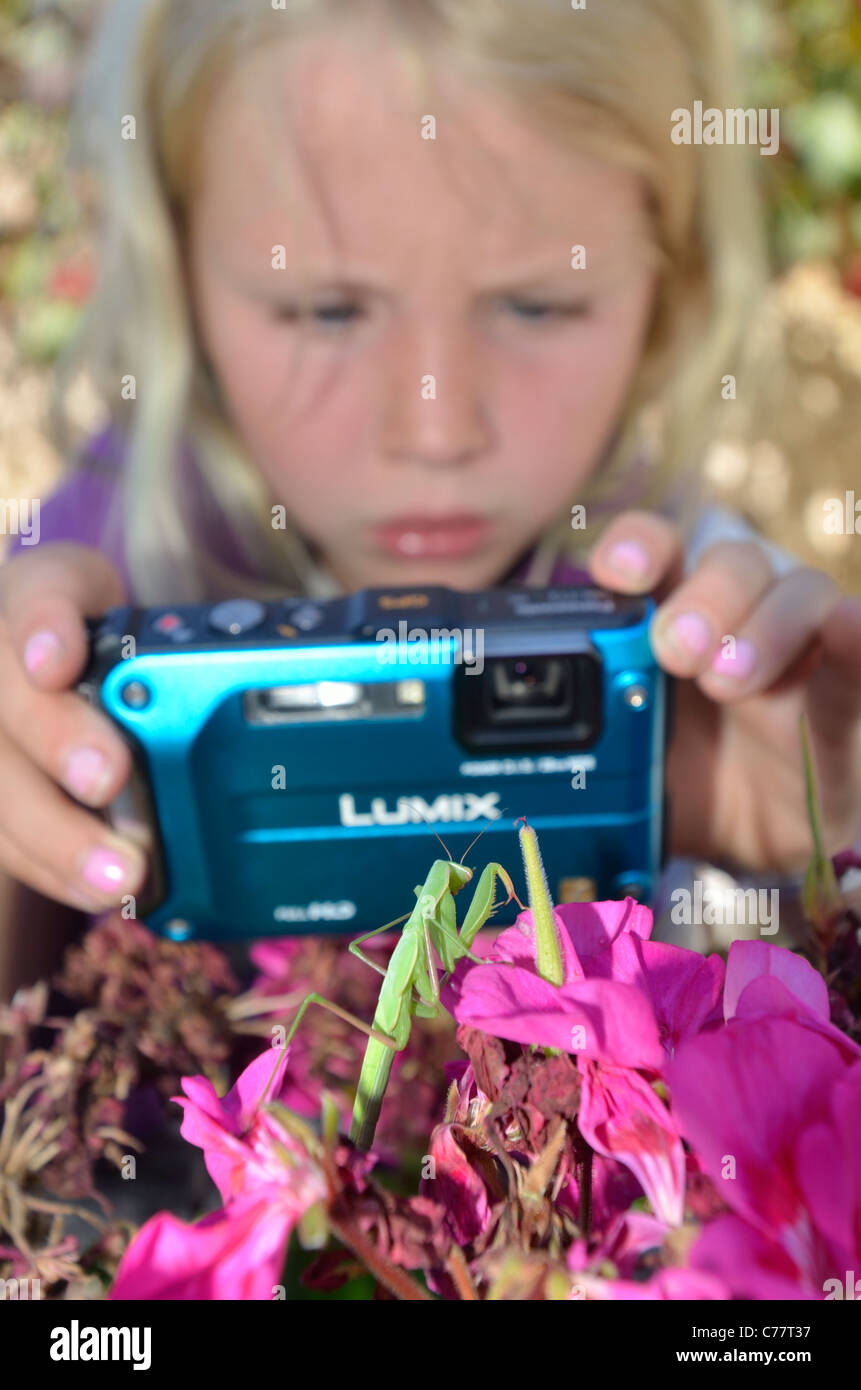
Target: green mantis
pixel 411 986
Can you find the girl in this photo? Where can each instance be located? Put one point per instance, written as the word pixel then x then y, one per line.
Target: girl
pixel 388 289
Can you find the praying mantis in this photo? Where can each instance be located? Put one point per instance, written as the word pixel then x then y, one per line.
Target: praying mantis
pixel 410 985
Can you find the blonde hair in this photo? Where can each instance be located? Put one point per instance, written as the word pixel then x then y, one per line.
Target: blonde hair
pixel 604 79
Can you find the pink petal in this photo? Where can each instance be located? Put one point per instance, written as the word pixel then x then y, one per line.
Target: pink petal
pixel 622 1118
pixel 274 958
pixel 684 987
pixel 517 945
pixel 262 1080
pixel 236 1253
pixel 227 1158
pixel 632 1234
pixel 586 931
pixel 686 1285
pixel 748 960
pixel 744 1094
pixel 767 997
pixel 593 927
pixel 598 1018
pixel 201 1092
pixel 828 1157
pixel 753 1265
pixel 219 1126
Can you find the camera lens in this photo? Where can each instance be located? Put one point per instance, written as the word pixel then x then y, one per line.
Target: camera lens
pixel 543 684
pixel 530 702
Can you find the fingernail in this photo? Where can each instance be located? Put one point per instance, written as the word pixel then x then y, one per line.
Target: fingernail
pixel 87 773
pixel 735 661
pixel 42 648
pixel 691 633
pixel 107 871
pixel 629 559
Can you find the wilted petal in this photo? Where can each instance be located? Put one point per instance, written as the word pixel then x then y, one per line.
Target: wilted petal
pixel 456 1186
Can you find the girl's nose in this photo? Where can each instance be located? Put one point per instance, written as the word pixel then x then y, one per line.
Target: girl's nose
pixel 435 410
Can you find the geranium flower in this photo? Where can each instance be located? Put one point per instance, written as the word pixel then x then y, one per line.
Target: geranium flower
pixel 772 1107
pixel 624 1004
pixel 268 1181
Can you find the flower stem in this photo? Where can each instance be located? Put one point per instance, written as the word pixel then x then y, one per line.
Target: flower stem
pixel 384 1271
pixel 584 1183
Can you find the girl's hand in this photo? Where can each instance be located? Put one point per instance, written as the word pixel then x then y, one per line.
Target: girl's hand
pixel 51 740
pixel 734 772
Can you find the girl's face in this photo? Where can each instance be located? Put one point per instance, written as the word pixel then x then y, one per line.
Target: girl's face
pixel 426 382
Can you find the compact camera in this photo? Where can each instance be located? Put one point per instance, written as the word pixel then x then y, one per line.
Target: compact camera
pixel 292 759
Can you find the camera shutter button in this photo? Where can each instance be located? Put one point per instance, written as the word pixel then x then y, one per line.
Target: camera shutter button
pixel 306 617
pixel 237 616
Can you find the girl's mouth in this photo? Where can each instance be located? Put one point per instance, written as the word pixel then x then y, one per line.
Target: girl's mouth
pixel 432 538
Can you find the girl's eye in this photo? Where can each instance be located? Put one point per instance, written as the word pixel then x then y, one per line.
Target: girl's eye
pixel 537 311
pixel 336 314
pixel 329 315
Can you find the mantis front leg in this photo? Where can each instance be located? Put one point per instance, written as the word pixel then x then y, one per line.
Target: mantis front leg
pixel 336 1009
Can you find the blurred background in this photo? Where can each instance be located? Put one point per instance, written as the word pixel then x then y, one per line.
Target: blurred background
pixel 792 442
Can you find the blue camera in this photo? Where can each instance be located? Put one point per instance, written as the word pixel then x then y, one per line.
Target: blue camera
pixel 291 758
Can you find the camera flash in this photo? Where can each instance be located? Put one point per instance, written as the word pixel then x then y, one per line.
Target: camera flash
pixel 411 692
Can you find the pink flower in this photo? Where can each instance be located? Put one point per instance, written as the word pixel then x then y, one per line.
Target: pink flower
pixel 624 1005
pixel 268 1182
pixel 772 1107
pixel 238 1138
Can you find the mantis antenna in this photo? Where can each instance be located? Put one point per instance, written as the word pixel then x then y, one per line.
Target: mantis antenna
pixel 431 829
pixel 479 835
